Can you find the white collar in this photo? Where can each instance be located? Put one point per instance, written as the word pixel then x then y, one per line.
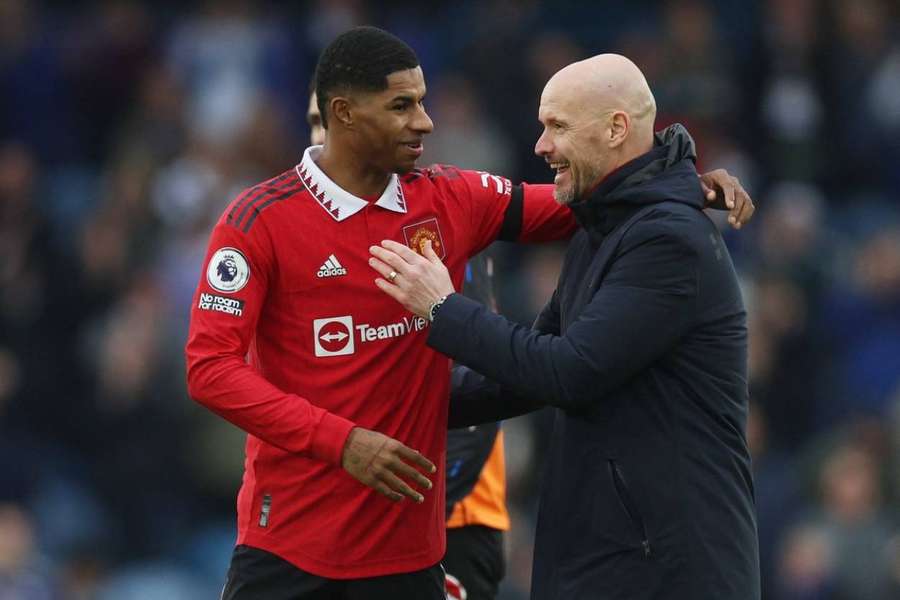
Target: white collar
pixel 338 202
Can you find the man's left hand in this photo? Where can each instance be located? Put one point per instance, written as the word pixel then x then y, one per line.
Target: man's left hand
pixel 724 192
pixel 415 281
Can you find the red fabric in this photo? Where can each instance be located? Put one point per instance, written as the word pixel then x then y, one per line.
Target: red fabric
pixel 309 357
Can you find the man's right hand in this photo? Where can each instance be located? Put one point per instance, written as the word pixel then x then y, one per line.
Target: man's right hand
pixel 378 461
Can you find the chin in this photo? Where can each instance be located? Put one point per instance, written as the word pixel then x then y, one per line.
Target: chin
pixel 563 196
pixel 404 168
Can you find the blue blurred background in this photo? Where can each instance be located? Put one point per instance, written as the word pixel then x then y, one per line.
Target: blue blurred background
pixel 126 127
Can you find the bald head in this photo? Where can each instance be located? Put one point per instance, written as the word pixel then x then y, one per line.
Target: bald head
pixel 604 83
pixel 598 114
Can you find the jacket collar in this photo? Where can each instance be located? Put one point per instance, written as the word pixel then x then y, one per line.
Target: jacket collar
pixel 665 173
pixel 338 202
pixel 600 217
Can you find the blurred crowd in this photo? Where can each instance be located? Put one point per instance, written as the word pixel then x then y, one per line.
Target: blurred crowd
pixel 126 127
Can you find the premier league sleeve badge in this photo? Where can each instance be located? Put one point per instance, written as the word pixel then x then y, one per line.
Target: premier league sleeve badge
pixel 227 271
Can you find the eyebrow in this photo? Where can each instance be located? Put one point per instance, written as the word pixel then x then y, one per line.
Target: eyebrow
pixel 551 119
pixel 405 98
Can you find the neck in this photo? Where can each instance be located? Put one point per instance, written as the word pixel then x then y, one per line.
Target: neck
pixel 354 175
pixel 626 156
pixel 628 153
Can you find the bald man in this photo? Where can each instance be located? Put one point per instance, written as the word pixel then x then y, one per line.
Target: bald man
pixel 642 350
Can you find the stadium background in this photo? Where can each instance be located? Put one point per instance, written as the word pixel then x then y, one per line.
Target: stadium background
pixel 126 127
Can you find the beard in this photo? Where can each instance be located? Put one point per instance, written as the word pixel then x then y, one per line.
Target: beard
pixel 581 181
pixel 565 195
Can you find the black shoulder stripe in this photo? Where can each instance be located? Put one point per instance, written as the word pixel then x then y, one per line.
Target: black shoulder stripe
pixel 290 186
pixel 263 206
pixel 251 194
pixel 512 219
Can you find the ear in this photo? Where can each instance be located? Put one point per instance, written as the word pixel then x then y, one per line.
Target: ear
pixel 340 111
pixel 619 128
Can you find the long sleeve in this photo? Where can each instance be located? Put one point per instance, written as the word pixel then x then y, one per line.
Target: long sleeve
pixel 498 210
pixel 224 316
pixel 643 307
pixel 475 399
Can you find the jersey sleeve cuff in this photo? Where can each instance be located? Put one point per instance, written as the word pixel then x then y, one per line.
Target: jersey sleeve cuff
pixel 329 438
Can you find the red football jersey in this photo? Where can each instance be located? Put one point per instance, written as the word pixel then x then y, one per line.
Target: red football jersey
pixel 291 341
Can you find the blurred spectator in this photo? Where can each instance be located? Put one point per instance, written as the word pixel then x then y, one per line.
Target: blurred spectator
pixel 156 125
pixel 853 520
pixel 463 136
pixel 806 571
pixel 777 494
pixel 227 55
pixel 38 294
pixel 698 85
pixel 784 368
pixel 789 379
pixel 893 556
pixel 32 83
pixel 793 109
pixel 863 319
pixel 547 53
pixel 863 49
pixel 105 59
pixel 328 18
pixel 22 573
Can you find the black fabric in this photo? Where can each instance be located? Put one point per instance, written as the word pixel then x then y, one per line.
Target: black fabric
pixel 643 351
pixel 512 219
pixel 476 400
pixel 468 448
pixel 427 584
pixel 475 558
pixel 467 451
pixel 255 574
pixel 480 284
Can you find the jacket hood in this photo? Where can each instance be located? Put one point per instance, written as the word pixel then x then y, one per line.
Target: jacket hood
pixel 665 174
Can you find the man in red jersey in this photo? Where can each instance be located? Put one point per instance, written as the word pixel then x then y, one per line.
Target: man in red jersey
pixel 475 473
pixel 330 362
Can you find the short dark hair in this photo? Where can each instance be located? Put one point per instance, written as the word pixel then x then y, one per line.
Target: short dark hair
pixel 360 59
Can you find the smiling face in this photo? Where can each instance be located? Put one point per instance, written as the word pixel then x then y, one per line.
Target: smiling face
pixel 572 142
pixel 390 124
pixel 597 115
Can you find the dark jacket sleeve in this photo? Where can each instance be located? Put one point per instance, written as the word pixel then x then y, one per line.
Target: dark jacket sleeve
pixel 548 319
pixel 475 399
pixel 644 305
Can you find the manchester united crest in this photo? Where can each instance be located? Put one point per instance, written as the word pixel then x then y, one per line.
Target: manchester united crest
pixel 417 233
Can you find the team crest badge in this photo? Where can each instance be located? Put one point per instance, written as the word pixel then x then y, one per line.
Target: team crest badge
pixel 227 271
pixel 417 233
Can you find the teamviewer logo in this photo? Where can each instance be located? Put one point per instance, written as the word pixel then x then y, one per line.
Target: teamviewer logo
pixel 333 336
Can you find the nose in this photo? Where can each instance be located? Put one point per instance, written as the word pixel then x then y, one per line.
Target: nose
pixel 543 147
pixel 422 122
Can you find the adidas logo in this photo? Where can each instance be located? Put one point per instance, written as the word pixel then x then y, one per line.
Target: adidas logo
pixel 331 268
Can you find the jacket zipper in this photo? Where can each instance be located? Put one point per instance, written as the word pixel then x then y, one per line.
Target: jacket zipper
pixel 628 503
pixel 266 508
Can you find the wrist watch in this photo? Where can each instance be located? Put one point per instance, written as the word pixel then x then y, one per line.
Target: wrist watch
pixel 432 312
